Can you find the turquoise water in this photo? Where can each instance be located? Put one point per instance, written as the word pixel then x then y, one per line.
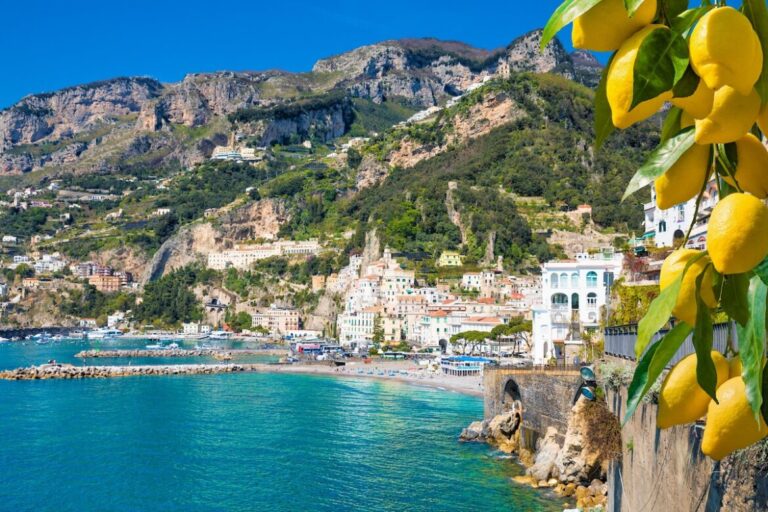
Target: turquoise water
pixel 28 353
pixel 244 442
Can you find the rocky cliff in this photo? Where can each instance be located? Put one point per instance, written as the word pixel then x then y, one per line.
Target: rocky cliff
pixel 99 126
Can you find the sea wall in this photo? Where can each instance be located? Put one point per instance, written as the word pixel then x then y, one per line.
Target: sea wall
pixel 663 467
pixel 546 398
pixel 67 371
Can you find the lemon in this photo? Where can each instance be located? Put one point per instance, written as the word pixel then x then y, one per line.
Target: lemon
pixel 699 104
pixel 732 115
pixel 684 179
pixel 620 83
pixel 725 50
pixel 681 399
pixel 734 367
pixel 731 425
pixel 737 236
pixel 685 308
pixel 605 26
pixel 752 166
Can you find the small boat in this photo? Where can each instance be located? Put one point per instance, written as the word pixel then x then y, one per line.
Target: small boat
pixel 154 346
pixel 103 334
pixel 4 340
pixel 172 346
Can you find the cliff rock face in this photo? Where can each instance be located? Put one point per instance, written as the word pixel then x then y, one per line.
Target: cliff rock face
pixel 86 127
pixel 261 219
pixel 62 114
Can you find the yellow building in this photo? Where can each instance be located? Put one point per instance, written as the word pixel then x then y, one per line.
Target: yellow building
pixel 449 259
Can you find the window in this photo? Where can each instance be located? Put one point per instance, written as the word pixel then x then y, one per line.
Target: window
pixel 680 213
pixel 663 226
pixel 559 299
pixel 554 281
pixel 592 299
pixel 575 280
pixel 574 301
pixel 591 279
pixel 564 280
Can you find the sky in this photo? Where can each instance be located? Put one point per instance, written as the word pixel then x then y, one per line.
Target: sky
pixel 47 45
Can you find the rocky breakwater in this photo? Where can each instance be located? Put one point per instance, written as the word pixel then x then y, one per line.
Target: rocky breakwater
pixel 62 371
pixel 575 468
pixel 171 352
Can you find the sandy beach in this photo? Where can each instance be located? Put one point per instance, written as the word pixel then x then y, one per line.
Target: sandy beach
pixel 415 374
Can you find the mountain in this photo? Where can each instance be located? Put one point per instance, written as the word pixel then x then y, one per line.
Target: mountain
pixel 137 125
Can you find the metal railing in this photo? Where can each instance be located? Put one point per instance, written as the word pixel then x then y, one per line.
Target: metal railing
pixel 620 341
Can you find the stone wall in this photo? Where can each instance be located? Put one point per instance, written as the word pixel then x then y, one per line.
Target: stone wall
pixel 546 398
pixel 665 470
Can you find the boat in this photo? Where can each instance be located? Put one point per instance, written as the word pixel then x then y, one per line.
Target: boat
pixel 154 346
pixel 101 334
pixel 172 346
pixel 220 335
pixel 4 340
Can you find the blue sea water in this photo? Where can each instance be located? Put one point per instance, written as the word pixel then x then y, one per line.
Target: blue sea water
pixel 243 442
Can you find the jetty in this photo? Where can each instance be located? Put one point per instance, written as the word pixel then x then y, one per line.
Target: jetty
pixel 175 352
pixel 68 371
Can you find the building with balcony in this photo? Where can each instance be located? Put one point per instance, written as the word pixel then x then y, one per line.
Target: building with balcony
pixel 573 291
pixel 667 228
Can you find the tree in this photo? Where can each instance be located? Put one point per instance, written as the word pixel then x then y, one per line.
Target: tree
pixel 378 331
pixel 518 331
pixel 239 321
pixel 467 342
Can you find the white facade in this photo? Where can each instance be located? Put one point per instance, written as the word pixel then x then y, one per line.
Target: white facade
pixel 245 257
pixel 572 294
pixel 472 281
pixel 665 226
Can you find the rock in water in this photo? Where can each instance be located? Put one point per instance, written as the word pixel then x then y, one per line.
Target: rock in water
pixel 474 432
pixel 544 463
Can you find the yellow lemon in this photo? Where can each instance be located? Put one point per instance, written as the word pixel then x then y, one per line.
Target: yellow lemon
pixel 732 115
pixel 620 83
pixel 605 26
pixel 684 179
pixel 752 166
pixel 686 120
pixel 681 399
pixel 685 308
pixel 737 236
pixel 699 104
pixel 731 425
pixel 734 367
pixel 725 50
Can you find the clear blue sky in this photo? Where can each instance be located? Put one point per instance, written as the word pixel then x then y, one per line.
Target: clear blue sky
pixel 51 44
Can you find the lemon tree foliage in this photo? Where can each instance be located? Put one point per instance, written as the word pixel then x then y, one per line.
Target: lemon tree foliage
pixel 709 62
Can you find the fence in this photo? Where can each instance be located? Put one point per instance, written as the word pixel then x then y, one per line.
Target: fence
pixel 620 341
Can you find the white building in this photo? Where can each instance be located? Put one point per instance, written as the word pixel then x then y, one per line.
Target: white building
pixel 243 258
pixel 3 289
pixel 49 263
pixel 115 319
pixel 664 227
pixel 9 239
pixel 472 281
pixel 573 292
pixel 195 328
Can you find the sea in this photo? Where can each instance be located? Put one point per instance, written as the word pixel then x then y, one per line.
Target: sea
pixel 241 442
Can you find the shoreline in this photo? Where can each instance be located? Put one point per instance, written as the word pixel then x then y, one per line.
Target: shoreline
pixel 471 385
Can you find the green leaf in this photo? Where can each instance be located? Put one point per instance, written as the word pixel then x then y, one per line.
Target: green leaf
pixel 675 8
pixel 660 309
pixel 687 85
pixel 757 13
pixel 603 122
pixel 671 125
pixel 685 20
pixel 632 5
pixel 752 344
pixel 657 316
pixel 568 11
pixel 706 373
pixel 660 63
pixel 662 158
pixel 652 363
pixel 734 297
pixel 762 270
